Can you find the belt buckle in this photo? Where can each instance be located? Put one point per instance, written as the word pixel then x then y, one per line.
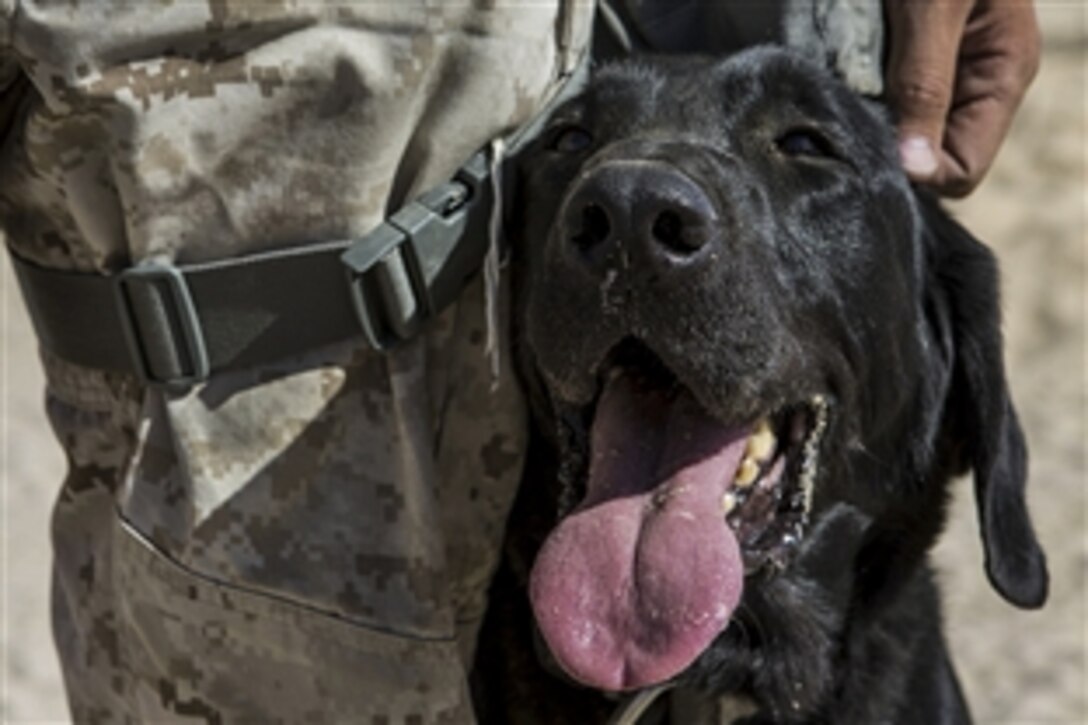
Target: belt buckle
pixel 161 326
pixel 410 266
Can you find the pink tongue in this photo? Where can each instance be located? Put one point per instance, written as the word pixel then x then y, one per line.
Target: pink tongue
pixel 638 581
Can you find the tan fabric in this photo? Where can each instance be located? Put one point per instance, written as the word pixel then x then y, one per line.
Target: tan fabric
pixel 311 541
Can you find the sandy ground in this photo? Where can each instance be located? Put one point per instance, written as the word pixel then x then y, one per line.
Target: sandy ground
pixel 1030 667
pixel 1016 667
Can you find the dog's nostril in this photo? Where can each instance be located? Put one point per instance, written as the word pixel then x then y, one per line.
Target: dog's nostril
pixel 595 227
pixel 668 228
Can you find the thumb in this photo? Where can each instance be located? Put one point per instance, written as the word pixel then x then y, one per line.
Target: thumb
pixel 921 76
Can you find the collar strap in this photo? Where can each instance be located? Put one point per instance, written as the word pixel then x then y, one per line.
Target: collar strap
pixel 685 706
pixel 632 709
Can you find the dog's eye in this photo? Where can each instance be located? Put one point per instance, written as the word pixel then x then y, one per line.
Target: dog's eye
pixel 805 142
pixel 570 139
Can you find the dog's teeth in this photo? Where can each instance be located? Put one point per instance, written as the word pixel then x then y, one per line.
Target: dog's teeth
pixel 762 442
pixel 729 502
pixel 747 473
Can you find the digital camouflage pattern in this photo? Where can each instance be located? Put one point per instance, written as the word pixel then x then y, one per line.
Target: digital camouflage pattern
pixel 311 541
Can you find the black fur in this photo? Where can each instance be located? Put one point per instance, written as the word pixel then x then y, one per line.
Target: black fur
pixel 830 275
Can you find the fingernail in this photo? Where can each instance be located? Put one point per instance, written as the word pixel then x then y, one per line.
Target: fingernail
pixel 917 156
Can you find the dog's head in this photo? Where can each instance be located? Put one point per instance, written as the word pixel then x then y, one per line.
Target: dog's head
pixel 760 355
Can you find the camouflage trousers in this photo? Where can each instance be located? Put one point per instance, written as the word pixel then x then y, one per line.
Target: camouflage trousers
pixel 312 540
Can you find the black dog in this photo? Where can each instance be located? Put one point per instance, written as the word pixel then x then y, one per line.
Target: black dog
pixel 757 357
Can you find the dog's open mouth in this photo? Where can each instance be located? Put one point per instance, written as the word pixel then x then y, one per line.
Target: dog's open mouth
pixel 679 507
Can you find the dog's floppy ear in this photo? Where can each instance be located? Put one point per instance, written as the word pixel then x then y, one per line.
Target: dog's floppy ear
pixel 979 413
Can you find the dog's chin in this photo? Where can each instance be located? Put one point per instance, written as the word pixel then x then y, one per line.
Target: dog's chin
pixel 673 510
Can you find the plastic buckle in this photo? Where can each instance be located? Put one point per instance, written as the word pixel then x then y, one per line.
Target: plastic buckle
pixel 415 262
pixel 383 274
pixel 160 324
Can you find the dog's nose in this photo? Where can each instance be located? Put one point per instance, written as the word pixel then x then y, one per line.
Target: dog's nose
pixel 648 203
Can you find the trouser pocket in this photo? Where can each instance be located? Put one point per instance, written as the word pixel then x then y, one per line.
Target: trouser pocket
pixel 200 647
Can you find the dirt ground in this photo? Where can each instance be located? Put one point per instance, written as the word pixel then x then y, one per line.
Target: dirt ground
pixel 1033 208
pixel 1017 667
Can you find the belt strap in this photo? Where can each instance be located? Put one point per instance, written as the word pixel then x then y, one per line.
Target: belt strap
pixel 173 325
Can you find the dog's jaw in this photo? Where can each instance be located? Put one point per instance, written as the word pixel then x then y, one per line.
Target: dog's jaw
pixel 712 502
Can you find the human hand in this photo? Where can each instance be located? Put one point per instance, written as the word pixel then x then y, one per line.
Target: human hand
pixel 957 72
